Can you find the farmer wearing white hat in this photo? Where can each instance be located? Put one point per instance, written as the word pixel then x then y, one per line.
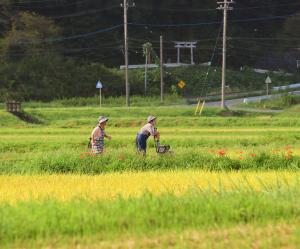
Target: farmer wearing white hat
pixel 98 135
pixel 144 133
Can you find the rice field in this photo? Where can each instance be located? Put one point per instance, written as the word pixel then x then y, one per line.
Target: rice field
pixel 112 186
pixel 229 175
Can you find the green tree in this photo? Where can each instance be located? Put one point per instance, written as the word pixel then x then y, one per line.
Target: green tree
pixel 30 34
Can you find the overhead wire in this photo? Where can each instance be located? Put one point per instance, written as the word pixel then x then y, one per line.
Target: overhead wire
pixel 211 23
pixel 83 35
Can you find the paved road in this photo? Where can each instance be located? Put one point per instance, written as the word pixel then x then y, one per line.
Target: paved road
pixel 229 103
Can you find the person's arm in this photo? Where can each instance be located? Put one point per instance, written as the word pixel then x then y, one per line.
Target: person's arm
pixel 153 131
pixel 107 136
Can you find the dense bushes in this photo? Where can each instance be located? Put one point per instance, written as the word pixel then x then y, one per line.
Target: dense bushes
pixel 51 76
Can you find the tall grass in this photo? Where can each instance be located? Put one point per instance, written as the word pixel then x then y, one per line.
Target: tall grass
pixel 61 150
pixel 73 162
pixel 108 102
pixel 147 215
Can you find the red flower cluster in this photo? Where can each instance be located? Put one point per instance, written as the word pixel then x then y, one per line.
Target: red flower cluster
pixel 289 154
pixel 287 148
pixel 221 152
pixel 87 154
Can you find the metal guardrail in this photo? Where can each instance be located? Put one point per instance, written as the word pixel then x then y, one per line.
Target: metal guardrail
pixel 292 86
pixel 260 98
pixel 273 96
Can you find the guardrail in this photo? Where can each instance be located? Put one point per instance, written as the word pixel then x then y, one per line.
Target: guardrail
pixel 292 86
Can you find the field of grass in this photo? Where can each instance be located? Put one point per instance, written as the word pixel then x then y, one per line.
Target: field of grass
pixel 230 174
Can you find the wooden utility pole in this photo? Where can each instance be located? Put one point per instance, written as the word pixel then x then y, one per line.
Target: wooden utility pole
pixel 146 70
pixel 225 6
pixel 125 6
pixel 161 70
pixel 147 48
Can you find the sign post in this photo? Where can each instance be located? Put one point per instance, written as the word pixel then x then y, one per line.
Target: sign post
pixel 268 81
pixel 99 86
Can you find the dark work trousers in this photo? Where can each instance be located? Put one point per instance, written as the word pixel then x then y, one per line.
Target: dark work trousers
pixel 141 142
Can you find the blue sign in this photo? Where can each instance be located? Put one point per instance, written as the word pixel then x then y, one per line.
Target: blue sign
pixel 99 85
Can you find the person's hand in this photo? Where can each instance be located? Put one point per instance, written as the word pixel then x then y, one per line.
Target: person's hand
pixel 109 137
pixel 157 135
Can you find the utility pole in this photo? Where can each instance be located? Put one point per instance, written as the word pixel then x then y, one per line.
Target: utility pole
pixel 225 6
pixel 125 6
pixel 146 70
pixel 161 70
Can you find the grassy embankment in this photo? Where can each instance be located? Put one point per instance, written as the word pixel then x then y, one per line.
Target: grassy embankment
pixel 165 202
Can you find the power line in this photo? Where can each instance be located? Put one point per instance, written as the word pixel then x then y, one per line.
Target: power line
pixel 38 1
pixel 54 2
pixel 264 38
pixel 83 35
pixel 212 23
pixel 210 9
pixel 84 13
pixel 49 40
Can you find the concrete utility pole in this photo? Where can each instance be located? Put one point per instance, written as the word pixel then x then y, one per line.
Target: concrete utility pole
pixel 125 6
pixel 161 70
pixel 225 6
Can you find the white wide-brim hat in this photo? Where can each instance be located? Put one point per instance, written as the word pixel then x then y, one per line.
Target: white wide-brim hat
pixel 150 118
pixel 102 119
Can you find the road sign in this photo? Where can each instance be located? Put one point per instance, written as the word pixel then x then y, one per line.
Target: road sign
pixel 181 84
pixel 268 80
pixel 99 85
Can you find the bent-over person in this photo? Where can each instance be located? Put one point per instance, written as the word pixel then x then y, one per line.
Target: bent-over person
pixel 145 132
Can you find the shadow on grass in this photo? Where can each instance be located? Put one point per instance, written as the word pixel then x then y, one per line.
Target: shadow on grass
pixel 27 117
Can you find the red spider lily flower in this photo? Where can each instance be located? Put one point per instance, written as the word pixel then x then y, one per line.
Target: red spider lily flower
pixel 241 158
pixel 289 156
pixel 221 152
pixel 288 147
pixel 87 154
pixel 252 155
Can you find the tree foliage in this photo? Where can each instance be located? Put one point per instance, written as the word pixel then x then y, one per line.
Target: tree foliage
pixel 55 49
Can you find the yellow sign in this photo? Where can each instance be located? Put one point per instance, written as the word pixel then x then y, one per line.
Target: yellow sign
pixel 181 84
